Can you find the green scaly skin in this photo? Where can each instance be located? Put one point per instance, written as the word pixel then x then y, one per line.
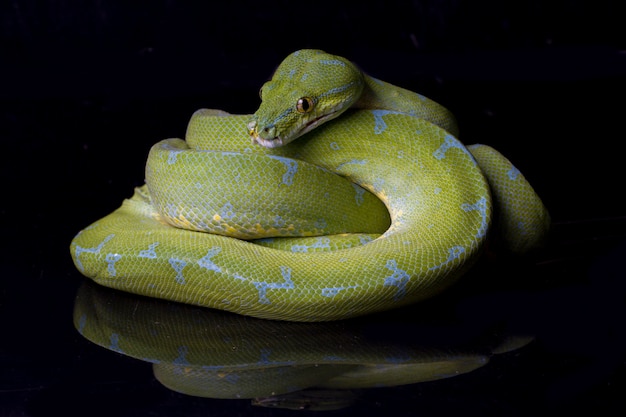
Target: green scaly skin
pixel 180 237
pixel 209 353
pixel 331 84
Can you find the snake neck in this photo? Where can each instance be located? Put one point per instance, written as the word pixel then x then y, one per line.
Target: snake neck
pixel 381 95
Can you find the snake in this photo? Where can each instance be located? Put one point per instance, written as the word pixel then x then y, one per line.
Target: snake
pixel 342 195
pixel 316 366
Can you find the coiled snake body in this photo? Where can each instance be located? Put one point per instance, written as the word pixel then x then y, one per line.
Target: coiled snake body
pixel 376 209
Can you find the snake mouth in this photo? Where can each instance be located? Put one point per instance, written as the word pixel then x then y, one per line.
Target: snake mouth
pixel 313 123
pixel 268 143
pixel 278 141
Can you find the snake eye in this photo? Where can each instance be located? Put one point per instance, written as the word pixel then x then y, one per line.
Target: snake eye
pixel 304 105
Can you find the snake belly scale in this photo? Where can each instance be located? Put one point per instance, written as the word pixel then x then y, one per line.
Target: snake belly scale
pixel 414 204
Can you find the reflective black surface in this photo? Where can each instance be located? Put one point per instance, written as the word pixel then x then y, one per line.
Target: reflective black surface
pixel 86 90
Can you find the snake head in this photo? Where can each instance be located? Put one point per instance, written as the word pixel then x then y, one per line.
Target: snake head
pixel 309 88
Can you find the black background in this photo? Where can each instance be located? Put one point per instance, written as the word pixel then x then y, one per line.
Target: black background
pixel 87 87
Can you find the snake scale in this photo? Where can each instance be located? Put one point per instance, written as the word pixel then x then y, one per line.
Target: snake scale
pixel 315 366
pixel 377 205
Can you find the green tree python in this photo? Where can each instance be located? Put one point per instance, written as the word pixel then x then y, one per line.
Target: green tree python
pixel 315 366
pixel 377 205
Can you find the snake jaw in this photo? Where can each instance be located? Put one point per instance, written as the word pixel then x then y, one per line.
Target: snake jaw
pixel 253 130
pixel 278 140
pixel 312 124
pixel 267 143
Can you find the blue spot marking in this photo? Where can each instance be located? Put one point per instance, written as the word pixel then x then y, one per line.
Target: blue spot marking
pixel 332 62
pixel 333 291
pixel 171 157
pixel 227 211
pixel 232 378
pixel 379 124
pixel 287 284
pixel 181 360
pixel 213 367
pixel 481 207
pixel 378 184
pixel 334 358
pixel 365 239
pixel 359 194
pixel 149 253
pixel 279 221
pixel 336 90
pixel 111 259
pixel 82 321
pixel 397 360
pixel 178 265
pixel 320 243
pixel 282 116
pixel 451 142
pixel 513 173
pixel 114 342
pixel 334 146
pixel 292 168
pixel 398 279
pixel 95 250
pixel 172 210
pixel 320 223
pixel 264 359
pixel 352 162
pixel 454 252
pixel 521 228
pixel 207 263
